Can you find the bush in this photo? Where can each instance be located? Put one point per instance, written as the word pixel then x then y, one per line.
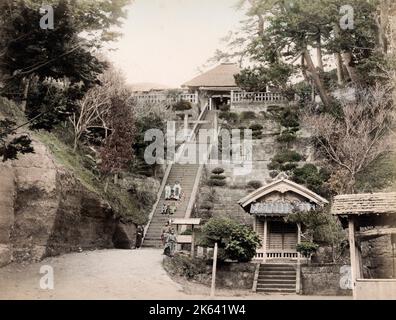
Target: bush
pixel 307 249
pixel 185 266
pixel 257 134
pixel 218 170
pixel 206 206
pixel 182 106
pixel 273 174
pixel 248 115
pixel 217 177
pixel 256 127
pixel 287 156
pixel 286 137
pixel 217 183
pixel 255 184
pixel 285 160
pixel 225 107
pixel 237 242
pixel 229 116
pixel 313 178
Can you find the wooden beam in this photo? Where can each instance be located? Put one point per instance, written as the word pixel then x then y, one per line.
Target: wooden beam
pixel 377 232
pixel 265 238
pixel 352 250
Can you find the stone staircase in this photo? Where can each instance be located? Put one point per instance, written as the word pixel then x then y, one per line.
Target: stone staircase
pixel 276 278
pixel 185 174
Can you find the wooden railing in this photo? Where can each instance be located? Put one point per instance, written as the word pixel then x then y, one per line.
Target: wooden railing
pixel 249 97
pixel 276 254
pixel 161 97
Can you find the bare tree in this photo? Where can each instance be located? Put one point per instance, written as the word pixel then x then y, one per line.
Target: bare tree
pixel 355 139
pixel 96 103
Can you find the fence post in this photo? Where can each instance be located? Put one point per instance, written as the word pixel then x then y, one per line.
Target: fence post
pixel 212 289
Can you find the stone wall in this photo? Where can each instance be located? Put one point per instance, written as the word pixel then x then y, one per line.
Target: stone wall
pixel 230 276
pixel 323 279
pixel 377 258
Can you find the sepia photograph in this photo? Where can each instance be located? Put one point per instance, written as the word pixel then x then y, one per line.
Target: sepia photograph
pixel 206 157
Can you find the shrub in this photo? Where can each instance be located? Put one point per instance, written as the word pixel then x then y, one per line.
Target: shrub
pixel 307 249
pixel 255 184
pixel 206 206
pixel 185 266
pixel 257 134
pixel 229 116
pixel 224 107
pixel 218 170
pixel 216 183
pixel 287 156
pixel 274 109
pixel 286 137
pixel 237 242
pixel 313 178
pixel 285 160
pixel 256 127
pixel 182 106
pixel 273 174
pixel 217 177
pixel 248 115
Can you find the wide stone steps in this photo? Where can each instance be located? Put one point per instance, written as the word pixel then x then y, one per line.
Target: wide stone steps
pixel 276 278
pixel 185 175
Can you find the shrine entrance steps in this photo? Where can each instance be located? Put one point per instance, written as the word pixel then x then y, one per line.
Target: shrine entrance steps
pixel 277 278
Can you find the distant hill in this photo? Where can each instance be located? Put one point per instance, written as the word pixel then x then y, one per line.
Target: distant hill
pixel 147 86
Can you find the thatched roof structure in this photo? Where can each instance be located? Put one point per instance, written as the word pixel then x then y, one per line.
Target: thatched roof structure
pixel 367 203
pixel 218 77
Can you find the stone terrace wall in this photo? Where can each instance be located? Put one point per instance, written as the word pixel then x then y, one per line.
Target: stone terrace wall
pixel 317 279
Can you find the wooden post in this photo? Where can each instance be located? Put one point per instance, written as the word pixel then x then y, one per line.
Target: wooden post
pixel 186 126
pixel 352 249
pixel 265 239
pixel 192 242
pixel 212 289
pixel 298 279
pixel 232 98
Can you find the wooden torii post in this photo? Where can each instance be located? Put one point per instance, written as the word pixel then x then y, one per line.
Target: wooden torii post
pixel 187 239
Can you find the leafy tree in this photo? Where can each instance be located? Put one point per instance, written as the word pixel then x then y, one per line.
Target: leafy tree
pixel 235 241
pixel 117 152
pixel 11 146
pixel 147 122
pixel 49 70
pixel 319 226
pixel 313 178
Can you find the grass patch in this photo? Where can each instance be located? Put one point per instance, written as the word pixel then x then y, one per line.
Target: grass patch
pixel 123 203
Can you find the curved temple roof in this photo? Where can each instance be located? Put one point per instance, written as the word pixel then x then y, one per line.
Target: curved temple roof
pixel 282 185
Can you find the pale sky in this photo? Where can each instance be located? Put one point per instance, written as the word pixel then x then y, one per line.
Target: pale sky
pixel 166 41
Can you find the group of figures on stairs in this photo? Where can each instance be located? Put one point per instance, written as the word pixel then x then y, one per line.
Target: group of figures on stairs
pixel 169 239
pixel 173 196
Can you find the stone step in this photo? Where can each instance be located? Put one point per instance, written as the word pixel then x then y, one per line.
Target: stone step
pixel 278 272
pixel 276 286
pixel 273 290
pixel 264 269
pixel 276 281
pixel 276 277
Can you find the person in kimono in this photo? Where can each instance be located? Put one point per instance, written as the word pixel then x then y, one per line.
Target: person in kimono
pixel 177 191
pixel 168 192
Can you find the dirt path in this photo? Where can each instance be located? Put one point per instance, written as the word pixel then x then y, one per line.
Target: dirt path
pixel 109 274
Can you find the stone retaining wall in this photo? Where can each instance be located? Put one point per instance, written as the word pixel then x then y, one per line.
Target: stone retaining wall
pixel 324 279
